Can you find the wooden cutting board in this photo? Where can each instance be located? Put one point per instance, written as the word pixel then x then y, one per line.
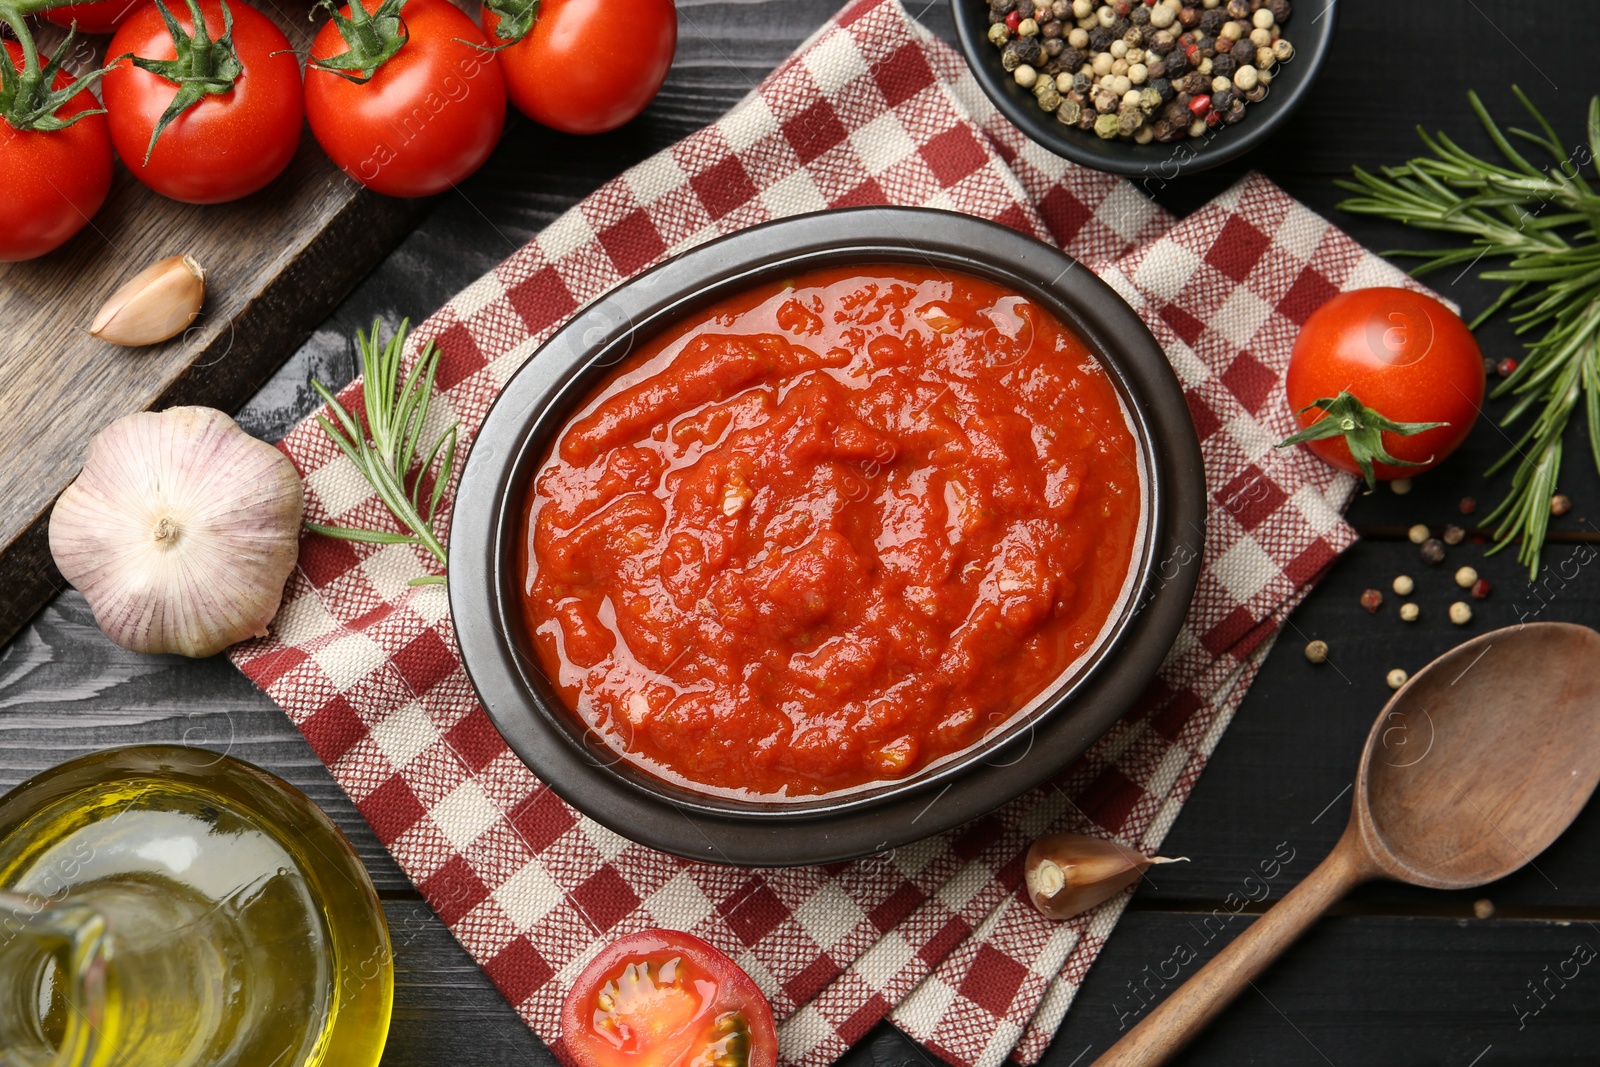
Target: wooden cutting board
pixel 276 264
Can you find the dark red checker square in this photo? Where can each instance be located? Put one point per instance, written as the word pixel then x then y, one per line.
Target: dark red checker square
pixel 1250 381
pixel 519 971
pixel 953 155
pixel 1251 497
pixel 1227 633
pixel 605 898
pixel 1308 566
pixel 542 818
pixel 814 131
pixel 1015 218
pixel 1238 248
pixel 1183 324
pixel 633 243
pixel 812 979
pixel 1309 292
pixel 1064 213
pixel 1170 722
pixel 333 729
pixel 993 980
pixel 894 909
pixel 902 74
pixel 425 662
pixel 1206 420
pixel 724 187
pixel 392 809
pixel 944 942
pixel 754 912
pixel 975 838
pixel 476 740
pixel 459 356
pixel 268 669
pixel 1110 798
pixel 865 1018
pixel 542 300
pixel 454 890
pixel 868 194
pixel 325 559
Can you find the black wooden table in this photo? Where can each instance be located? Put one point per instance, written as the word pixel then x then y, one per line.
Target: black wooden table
pixel 1398 976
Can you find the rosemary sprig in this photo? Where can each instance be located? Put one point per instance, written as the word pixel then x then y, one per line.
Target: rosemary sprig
pixel 1541 223
pixel 396 411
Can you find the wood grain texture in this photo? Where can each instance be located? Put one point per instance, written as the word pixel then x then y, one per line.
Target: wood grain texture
pixel 276 263
pixel 1397 977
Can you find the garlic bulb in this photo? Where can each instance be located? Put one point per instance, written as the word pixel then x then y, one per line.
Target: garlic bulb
pixel 180 531
pixel 156 304
pixel 1067 874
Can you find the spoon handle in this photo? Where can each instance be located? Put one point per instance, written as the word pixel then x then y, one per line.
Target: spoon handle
pixel 1192 1005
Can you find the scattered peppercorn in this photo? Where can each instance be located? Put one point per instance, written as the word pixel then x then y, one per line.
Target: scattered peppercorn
pixel 1403 585
pixel 1453 534
pixel 1480 589
pixel 1418 534
pixel 1433 551
pixel 1400 486
pixel 1467 505
pixel 1506 367
pixel 1396 678
pixel 1483 908
pixel 1460 613
pixel 1220 55
pixel 1372 600
pixel 1317 651
pixel 1465 577
pixel 1409 612
pixel 1560 504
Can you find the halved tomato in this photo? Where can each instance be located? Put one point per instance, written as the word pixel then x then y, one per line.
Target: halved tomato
pixel 660 998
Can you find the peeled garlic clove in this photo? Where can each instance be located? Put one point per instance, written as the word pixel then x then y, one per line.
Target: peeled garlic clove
pixel 180 531
pixel 157 303
pixel 1067 874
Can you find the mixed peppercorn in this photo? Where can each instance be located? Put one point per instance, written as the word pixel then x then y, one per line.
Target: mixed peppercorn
pixel 1149 70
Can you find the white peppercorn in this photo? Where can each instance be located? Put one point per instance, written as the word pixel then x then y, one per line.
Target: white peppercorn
pixel 1135 55
pixel 1120 66
pixel 1317 651
pixel 1264 59
pixel 1246 78
pixel 1101 64
pixel 1078 38
pixel 1108 17
pixel 1403 585
pixel 1162 16
pixel 1264 77
pixel 1465 577
pixel 1417 534
pixel 1460 613
pixel 1231 31
pixel 1028 28
pixel 1121 84
pixel 1144 135
pixel 1409 612
pixel 1396 678
pixel 1138 73
pixel 1263 18
pixel 1260 38
pixel 1205 67
pixel 1119 49
pixel 1282 50
pixel 1082 9
pixel 1197 128
pixel 1220 84
pixel 1063 82
pixel 1025 76
pixel 1400 486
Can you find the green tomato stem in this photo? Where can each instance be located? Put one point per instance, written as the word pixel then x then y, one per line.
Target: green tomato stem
pixel 14 16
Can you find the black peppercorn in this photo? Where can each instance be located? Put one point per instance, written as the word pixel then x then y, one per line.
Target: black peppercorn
pixel 1222 66
pixel 1052 67
pixel 1223 99
pixel 1081 82
pixel 1020 50
pixel 1239 9
pixel 1243 53
pixel 1100 39
pixel 1211 21
pixel 1120 27
pixel 1156 68
pixel 1280 10
pixel 1204 48
pixel 1134 38
pixel 1191 3
pixel 1433 551
pixel 1061 9
pixel 1002 7
pixel 1189 18
pixel 1177 62
pixel 1161 42
pixel 1140 16
pixel 1071 59
pixel 1051 31
pixel 1162 86
pixel 1235 111
pixel 1055 47
pixel 1176 110
pixel 1195 84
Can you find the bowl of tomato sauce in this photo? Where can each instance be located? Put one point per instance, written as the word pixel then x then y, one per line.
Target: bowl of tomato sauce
pixel 826 536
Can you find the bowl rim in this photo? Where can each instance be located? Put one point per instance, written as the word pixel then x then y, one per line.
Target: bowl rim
pixel 1152 161
pixel 539 399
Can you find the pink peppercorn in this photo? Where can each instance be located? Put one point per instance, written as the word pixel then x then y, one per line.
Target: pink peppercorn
pixel 1200 105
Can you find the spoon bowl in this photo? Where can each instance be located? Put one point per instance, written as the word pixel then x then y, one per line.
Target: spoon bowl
pixel 1484 758
pixel 1480 761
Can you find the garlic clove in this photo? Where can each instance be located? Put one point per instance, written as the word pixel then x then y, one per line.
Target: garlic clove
pixel 1067 874
pixel 180 531
pixel 157 303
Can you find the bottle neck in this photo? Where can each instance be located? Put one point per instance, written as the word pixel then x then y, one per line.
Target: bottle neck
pixel 54 959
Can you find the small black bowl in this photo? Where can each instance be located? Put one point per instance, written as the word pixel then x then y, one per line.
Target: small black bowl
pixel 1310 30
pixel 486 584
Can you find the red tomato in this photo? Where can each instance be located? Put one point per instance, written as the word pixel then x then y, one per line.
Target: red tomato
pixel 429 116
pixel 102 17
pixel 227 145
pixel 54 181
pixel 1402 354
pixel 588 67
pixel 660 998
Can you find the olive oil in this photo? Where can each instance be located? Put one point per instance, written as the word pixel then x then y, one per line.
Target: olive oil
pixel 238 927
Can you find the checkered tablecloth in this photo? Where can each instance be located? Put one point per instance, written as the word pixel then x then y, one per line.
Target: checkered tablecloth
pixel 936 936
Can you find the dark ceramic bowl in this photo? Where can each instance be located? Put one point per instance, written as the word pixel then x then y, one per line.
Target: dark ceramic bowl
pixel 485 584
pixel 1309 29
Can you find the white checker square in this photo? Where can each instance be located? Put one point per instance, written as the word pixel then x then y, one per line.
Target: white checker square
pixel 968 881
pixel 404 734
pixel 1190 368
pixel 920 1013
pixel 527 896
pixel 679 904
pixel 1241 316
pixel 565 236
pixel 1321 515
pixel 654 178
pixel 430 602
pixel 793 195
pixel 1245 569
pixel 1166 269
pixel 465 814
pixel 747 125
pixel 1125 210
pixel 1251 436
pixel 349 659
pixel 390 570
pixel 828 916
pixel 1370 272
pixel 882 143
pixel 802 1032
pixel 303 619
pixel 1301 232
pixel 608 843
pixel 834 62
pixel 487 290
pixel 883 960
pixel 339 486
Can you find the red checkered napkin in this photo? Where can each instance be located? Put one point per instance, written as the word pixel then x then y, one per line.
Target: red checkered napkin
pixel 936 936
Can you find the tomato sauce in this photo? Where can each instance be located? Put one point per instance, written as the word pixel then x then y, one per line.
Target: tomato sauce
pixel 831 530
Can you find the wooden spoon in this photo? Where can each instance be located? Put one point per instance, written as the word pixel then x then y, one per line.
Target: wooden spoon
pixel 1477 763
